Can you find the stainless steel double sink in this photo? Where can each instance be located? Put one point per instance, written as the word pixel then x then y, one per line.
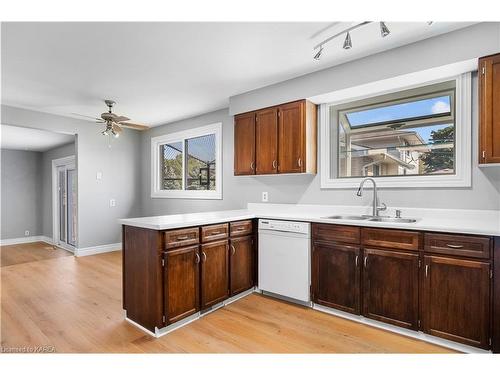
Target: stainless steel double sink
pixel 373 218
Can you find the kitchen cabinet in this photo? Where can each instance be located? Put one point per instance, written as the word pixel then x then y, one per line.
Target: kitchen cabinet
pixel 214 273
pixel 244 144
pixel 266 138
pixel 489 109
pixel 279 139
pixel 181 278
pixel 456 299
pixel 336 276
pixel 391 287
pixel 241 264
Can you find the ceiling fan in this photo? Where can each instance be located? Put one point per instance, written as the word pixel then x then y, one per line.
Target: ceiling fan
pixel 114 123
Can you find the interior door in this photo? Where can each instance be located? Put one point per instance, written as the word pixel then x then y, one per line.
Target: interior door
pixel 291 138
pixel 214 273
pixel 241 264
pixel 266 141
pixel 62 203
pixel 71 205
pixel 336 276
pixel 66 204
pixel 456 299
pixel 391 287
pixel 244 144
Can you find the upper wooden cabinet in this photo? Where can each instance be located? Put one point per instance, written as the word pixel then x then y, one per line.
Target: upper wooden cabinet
pixel 489 109
pixel 280 139
pixel 266 137
pixel 244 144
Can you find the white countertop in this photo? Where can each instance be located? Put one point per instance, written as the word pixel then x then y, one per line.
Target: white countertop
pixel 486 222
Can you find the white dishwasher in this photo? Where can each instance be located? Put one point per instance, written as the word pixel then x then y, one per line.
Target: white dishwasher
pixel 285 258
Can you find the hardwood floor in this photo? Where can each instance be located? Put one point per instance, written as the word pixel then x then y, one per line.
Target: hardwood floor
pixel 74 305
pixel 29 252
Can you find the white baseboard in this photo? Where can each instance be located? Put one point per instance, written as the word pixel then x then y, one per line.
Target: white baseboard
pixel 30 239
pixel 91 250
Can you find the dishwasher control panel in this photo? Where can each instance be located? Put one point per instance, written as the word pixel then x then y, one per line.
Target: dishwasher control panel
pixel 285 226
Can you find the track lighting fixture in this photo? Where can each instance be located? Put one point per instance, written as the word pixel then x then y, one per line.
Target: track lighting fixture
pixel 317 56
pixel 384 30
pixel 347 41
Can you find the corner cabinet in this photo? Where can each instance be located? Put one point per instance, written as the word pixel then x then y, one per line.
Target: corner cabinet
pixel 280 139
pixel 489 109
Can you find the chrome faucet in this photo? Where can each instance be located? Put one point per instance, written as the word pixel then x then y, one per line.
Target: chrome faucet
pixel 376 207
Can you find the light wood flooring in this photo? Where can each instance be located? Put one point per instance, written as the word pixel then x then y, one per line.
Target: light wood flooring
pixel 29 252
pixel 74 305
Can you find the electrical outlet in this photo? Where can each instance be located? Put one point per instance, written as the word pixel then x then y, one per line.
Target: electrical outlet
pixel 98 176
pixel 112 202
pixel 26 233
pixel 265 196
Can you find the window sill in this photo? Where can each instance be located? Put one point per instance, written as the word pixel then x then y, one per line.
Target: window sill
pixel 187 194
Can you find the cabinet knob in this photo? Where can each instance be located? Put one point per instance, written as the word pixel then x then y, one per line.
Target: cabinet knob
pixel 233 250
pixel 299 162
pixel 274 164
pixel 252 165
pixel 197 259
pixel 204 256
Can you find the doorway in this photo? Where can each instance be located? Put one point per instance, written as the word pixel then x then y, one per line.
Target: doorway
pixel 64 203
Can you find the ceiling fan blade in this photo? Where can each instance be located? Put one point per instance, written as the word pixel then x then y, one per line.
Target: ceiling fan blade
pixel 90 117
pixel 116 128
pixel 133 125
pixel 120 118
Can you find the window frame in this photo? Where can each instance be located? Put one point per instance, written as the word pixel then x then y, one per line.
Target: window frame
pixel 463 137
pixel 181 136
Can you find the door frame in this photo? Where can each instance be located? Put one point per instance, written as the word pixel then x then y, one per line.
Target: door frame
pixel 68 160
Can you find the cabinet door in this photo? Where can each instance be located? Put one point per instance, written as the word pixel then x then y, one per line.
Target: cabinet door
pixel 336 276
pixel 214 273
pixel 241 264
pixel 456 299
pixel 181 277
pixel 244 144
pixel 489 109
pixel 391 287
pixel 266 137
pixel 291 138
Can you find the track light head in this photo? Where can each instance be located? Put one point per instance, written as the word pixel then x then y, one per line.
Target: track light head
pixel 384 30
pixel 347 41
pixel 317 56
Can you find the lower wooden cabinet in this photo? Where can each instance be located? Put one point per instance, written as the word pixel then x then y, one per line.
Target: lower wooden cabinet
pixel 214 273
pixel 456 299
pixel 391 287
pixel 241 264
pixel 336 276
pixel 181 277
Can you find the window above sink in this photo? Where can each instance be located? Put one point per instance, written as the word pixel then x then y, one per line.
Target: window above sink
pixel 403 136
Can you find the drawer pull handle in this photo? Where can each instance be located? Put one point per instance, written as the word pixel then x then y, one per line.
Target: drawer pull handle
pixel 182 238
pixel 275 163
pixel 238 229
pixel 214 233
pixel 454 246
pixel 233 248
pixel 204 256
pixel 356 260
pixel 426 270
pixel 366 261
pixel 197 260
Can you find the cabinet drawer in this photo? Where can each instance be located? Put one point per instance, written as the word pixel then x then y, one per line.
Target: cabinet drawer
pixel 214 232
pixel 240 228
pixel 336 233
pixel 395 239
pixel 470 246
pixel 181 237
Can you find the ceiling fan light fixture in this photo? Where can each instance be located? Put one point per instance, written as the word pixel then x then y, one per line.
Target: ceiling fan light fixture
pixel 317 56
pixel 115 134
pixel 347 41
pixel 384 30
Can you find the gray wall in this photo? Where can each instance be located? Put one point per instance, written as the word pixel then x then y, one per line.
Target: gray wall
pixel 468 43
pixel 460 45
pixel 120 165
pixel 46 193
pixel 21 181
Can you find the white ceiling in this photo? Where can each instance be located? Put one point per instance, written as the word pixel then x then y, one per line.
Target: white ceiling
pixel 18 138
pixel 162 72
